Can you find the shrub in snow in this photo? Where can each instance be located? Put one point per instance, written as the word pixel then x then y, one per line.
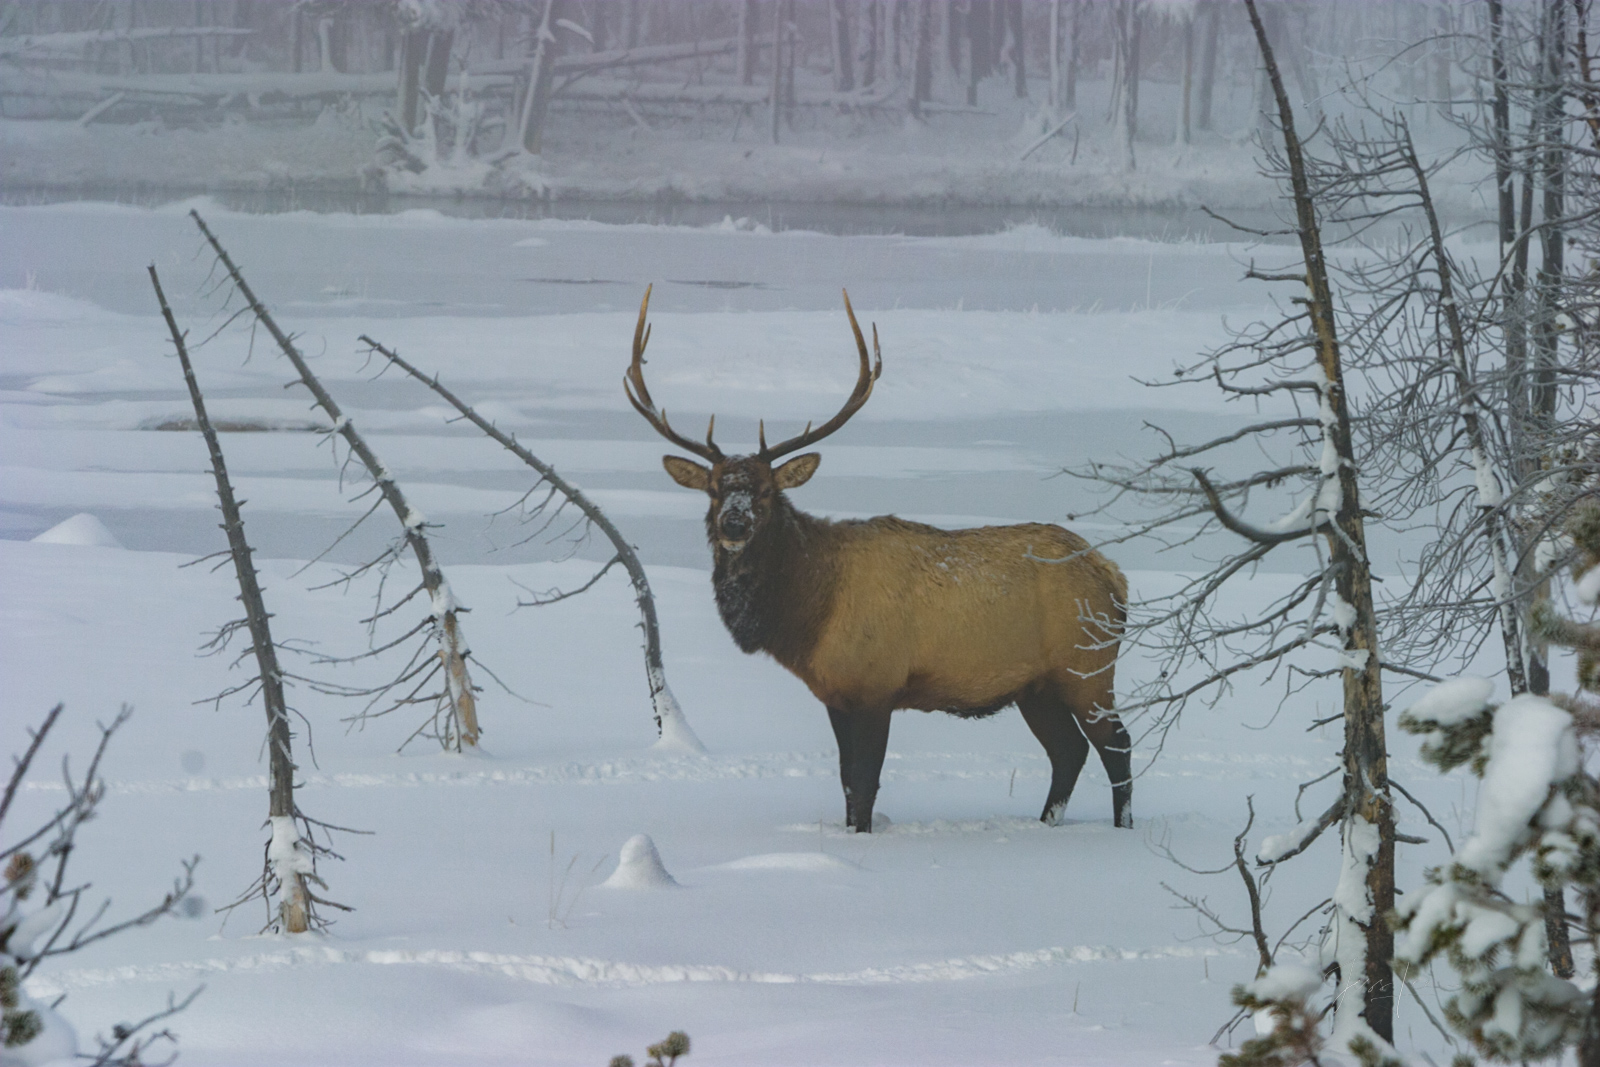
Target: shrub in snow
pixel 1537 804
pixel 663 1053
pixel 39 920
pixel 1286 1025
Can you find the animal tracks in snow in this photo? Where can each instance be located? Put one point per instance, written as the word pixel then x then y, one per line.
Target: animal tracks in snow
pixel 902 767
pixel 581 971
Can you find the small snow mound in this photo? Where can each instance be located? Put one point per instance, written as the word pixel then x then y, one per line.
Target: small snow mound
pixel 82 529
pixel 640 867
pixel 1454 701
pixel 788 861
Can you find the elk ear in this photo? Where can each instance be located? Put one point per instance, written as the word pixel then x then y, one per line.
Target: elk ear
pixel 797 471
pixel 687 473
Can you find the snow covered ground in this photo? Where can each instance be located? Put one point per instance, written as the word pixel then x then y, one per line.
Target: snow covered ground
pixel 967 932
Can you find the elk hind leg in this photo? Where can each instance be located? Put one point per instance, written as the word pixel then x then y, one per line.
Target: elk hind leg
pixel 1110 738
pixel 1053 723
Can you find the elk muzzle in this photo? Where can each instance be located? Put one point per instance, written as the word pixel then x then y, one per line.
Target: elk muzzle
pixel 736 520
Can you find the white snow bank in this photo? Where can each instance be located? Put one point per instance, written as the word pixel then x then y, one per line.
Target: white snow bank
pixel 788 861
pixel 20 306
pixel 640 867
pixel 82 529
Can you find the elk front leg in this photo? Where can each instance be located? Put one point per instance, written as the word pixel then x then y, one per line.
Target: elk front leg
pixel 843 733
pixel 863 739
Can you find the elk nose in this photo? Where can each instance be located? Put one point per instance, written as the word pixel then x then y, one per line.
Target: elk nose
pixel 735 525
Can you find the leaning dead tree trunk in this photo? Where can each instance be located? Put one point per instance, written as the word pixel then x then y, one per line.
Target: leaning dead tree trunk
pixel 461 727
pixel 1366 891
pixel 289 858
pixel 672 728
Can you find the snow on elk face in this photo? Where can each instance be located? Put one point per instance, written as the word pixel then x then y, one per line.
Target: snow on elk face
pixel 744 493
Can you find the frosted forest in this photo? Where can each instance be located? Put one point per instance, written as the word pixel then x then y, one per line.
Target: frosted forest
pixel 817 532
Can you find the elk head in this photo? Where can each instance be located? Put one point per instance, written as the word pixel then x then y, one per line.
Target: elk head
pixel 744 489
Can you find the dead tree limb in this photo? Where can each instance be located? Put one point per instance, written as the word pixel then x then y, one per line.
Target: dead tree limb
pixel 289 860
pixel 671 726
pixel 462 714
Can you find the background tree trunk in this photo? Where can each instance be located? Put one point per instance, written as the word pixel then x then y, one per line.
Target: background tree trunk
pixel 747 42
pixel 922 62
pixel 1208 61
pixel 844 76
pixel 1187 82
pixel 777 66
pixel 980 21
pixel 1018 51
pixel 541 75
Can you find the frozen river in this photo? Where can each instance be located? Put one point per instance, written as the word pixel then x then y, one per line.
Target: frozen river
pixel 1008 356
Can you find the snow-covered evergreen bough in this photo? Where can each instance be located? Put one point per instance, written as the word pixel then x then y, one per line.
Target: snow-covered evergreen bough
pixel 882 614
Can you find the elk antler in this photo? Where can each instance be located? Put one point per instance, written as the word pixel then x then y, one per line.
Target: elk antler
pixel 858 396
pixel 639 394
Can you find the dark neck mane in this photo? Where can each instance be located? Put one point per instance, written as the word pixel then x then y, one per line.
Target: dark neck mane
pixel 772 595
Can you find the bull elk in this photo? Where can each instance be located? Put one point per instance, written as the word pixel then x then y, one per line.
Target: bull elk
pixel 882 614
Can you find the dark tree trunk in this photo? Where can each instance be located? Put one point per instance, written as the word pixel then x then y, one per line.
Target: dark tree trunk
pixel 870 33
pixel 844 76
pixel 1018 63
pixel 1208 61
pixel 922 57
pixel 413 51
pixel 1366 773
pixel 541 76
pixel 954 19
pixel 980 21
pixel 630 24
pixel 1069 93
pixel 777 66
pixel 747 42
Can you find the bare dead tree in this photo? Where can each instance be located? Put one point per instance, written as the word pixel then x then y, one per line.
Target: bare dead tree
pixel 1294 368
pixel 291 858
pixel 671 726
pixel 1512 339
pixel 40 910
pixel 454 719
